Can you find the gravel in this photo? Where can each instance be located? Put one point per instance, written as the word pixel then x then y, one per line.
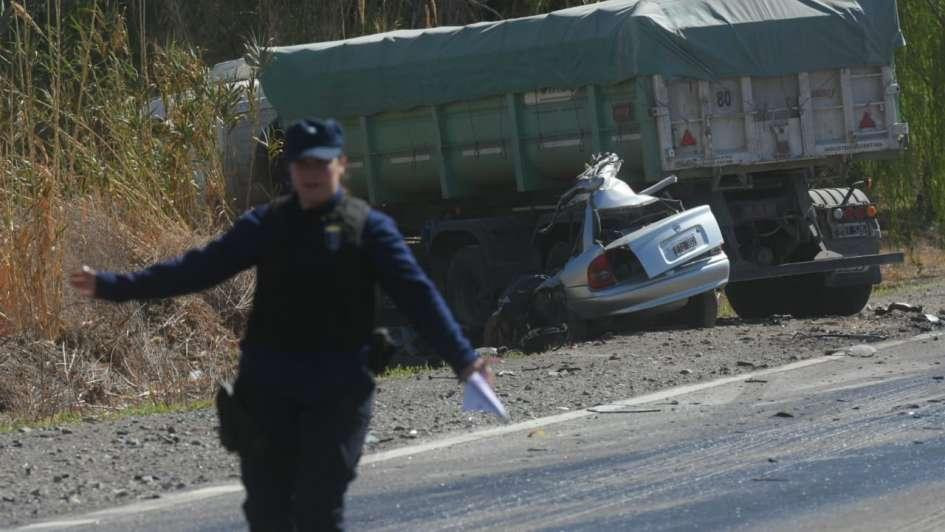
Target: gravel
pixel 67 470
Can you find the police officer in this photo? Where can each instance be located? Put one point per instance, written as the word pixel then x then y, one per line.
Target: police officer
pixel 303 376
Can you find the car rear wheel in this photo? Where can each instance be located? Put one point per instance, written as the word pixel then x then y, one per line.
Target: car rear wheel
pixel 702 310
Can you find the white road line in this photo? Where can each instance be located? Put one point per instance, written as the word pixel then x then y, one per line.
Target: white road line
pixel 205 493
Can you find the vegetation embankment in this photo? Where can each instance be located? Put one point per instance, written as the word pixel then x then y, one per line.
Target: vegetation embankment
pixel 87 176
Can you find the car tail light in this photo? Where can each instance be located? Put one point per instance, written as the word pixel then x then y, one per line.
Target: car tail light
pixel 599 274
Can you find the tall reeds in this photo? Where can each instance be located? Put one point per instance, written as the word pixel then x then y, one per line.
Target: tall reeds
pixel 89 174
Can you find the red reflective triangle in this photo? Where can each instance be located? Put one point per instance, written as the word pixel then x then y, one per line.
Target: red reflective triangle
pixel 867 122
pixel 688 139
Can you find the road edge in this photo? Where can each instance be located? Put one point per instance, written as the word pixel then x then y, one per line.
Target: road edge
pixel 166 501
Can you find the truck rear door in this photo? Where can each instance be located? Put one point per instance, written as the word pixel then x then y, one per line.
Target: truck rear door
pixel 764 120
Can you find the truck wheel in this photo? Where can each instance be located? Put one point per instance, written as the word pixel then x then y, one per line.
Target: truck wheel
pixel 701 310
pixel 754 299
pixel 845 300
pixel 467 288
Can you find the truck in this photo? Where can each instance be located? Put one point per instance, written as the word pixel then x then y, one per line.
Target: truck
pixel 468 135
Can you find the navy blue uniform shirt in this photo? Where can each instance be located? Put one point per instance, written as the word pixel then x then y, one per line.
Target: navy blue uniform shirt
pixel 240 248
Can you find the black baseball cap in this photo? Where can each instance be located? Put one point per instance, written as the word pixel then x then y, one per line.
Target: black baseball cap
pixel 315 138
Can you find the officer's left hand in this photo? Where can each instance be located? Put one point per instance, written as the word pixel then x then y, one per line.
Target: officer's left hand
pixel 482 365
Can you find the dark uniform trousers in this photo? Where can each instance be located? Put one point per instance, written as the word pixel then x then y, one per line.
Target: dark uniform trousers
pixel 299 456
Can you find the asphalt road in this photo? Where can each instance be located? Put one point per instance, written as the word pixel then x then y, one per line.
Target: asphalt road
pixel 839 443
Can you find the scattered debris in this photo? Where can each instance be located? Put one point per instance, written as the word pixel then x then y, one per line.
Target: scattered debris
pixel 612 410
pixel 505 373
pixel 756 381
pixel 868 337
pixel 903 307
pixel 939 377
pixel 537 450
pixel 487 351
pixel 783 414
pixel 685 372
pixel 859 351
pixel 929 318
pixel 744 364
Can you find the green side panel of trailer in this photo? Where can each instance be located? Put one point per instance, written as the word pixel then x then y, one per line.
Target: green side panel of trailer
pixel 520 105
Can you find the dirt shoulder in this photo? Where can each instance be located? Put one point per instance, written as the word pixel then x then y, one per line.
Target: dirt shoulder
pixel 81 467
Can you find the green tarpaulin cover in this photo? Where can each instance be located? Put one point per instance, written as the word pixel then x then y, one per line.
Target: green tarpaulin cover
pixel 600 43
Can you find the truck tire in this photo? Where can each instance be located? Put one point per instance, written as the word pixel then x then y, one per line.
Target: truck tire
pixel 755 299
pixel 467 289
pixel 844 300
pixel 701 311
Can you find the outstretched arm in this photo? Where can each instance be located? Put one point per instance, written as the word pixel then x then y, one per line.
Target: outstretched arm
pixel 416 296
pixel 195 270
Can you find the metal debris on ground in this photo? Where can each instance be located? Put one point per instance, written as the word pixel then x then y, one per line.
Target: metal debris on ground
pixel 487 351
pixel 783 414
pixel 904 307
pixel 617 410
pixel 869 337
pixel 860 351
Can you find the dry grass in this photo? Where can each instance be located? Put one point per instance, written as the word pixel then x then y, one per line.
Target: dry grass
pixel 107 356
pixel 87 177
pixel 924 260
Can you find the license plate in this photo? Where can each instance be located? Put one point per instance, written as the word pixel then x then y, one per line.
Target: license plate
pixel 681 247
pixel 851 230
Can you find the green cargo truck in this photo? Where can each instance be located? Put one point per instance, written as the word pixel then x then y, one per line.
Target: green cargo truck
pixel 467 135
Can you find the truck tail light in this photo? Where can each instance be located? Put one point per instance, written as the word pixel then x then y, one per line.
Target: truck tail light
pixel 854 213
pixel 599 274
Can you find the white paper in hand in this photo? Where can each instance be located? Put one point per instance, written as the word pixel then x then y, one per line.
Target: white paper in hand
pixel 478 396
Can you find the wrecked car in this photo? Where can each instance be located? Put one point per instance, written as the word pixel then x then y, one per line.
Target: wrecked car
pixel 616 252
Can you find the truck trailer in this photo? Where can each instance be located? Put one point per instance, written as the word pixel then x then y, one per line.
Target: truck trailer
pixel 468 135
